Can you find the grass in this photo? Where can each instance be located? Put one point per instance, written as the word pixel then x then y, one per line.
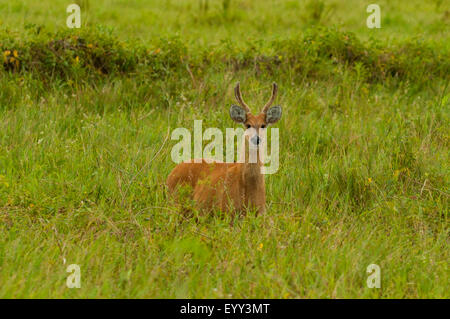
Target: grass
pixel 85 149
pixel 242 20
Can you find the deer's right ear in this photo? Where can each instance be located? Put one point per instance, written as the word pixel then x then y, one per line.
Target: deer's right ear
pixel 273 114
pixel 238 114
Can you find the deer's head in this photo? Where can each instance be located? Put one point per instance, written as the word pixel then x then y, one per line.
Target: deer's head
pixel 255 123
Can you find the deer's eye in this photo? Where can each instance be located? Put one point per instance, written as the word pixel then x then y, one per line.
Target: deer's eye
pixel 248 126
pixel 263 126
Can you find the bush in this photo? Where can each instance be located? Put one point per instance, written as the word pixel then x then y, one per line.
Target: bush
pixel 89 54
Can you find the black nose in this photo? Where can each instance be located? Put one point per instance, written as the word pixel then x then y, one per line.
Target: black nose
pixel 255 140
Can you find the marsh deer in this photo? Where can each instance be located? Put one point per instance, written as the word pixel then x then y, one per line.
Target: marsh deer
pixel 231 186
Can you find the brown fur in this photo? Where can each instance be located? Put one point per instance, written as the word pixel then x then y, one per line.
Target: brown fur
pixel 226 186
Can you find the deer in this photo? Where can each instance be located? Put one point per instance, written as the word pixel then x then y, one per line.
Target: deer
pixel 231 187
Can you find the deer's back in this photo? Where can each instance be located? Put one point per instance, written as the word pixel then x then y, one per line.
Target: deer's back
pixel 190 173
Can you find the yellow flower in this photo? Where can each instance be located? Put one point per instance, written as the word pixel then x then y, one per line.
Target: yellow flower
pixel 15 53
pixel 77 59
pixel 157 51
pixel 6 53
pixel 260 247
pixel 369 180
pixel 90 46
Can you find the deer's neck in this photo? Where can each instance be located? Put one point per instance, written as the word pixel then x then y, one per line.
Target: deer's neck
pixel 252 178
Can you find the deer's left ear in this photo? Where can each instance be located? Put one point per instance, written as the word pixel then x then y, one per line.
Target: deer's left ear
pixel 273 114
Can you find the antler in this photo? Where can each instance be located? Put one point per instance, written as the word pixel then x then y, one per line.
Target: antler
pixel 237 93
pixel 272 98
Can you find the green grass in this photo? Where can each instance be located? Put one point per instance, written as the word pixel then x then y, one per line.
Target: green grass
pixel 85 149
pixel 244 19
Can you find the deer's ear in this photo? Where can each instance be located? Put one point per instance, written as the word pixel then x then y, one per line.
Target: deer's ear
pixel 273 114
pixel 238 114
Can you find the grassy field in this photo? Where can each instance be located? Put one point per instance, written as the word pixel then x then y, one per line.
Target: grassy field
pixel 85 123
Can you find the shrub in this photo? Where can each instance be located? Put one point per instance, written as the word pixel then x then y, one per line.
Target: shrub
pixel 89 54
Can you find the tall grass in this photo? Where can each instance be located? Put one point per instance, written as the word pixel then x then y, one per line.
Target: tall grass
pixel 85 151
